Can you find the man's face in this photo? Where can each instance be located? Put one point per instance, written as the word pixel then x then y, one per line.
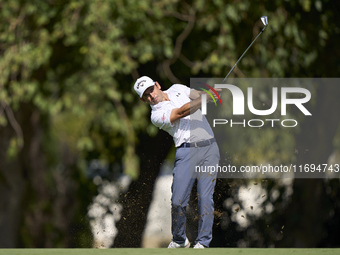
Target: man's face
pixel 153 95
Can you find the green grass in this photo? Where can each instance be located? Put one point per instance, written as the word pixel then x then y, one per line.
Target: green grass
pixel 213 251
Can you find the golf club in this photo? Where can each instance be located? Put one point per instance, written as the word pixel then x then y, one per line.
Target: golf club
pixel 264 20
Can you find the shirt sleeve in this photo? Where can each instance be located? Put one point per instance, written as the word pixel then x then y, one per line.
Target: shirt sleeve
pixel 161 118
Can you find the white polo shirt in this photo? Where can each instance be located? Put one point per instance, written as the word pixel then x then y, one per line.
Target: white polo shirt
pixel 192 128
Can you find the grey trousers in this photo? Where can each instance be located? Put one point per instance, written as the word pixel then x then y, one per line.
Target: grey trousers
pixel 184 176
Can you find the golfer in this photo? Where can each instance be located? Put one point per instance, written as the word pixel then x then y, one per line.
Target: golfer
pixel 177 111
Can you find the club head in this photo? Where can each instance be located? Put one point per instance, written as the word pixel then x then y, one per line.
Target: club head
pixel 264 20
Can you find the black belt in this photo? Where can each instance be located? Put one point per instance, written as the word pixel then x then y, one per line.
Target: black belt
pixel 198 144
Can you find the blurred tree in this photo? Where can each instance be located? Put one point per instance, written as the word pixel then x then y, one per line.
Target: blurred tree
pixel 58 96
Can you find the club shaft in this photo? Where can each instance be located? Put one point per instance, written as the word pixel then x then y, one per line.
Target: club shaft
pixel 243 54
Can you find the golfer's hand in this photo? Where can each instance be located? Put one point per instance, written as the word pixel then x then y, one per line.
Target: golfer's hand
pixel 209 98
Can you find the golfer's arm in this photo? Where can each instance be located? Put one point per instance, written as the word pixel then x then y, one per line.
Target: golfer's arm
pixel 185 110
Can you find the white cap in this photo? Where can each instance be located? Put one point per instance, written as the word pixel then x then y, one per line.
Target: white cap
pixel 142 84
